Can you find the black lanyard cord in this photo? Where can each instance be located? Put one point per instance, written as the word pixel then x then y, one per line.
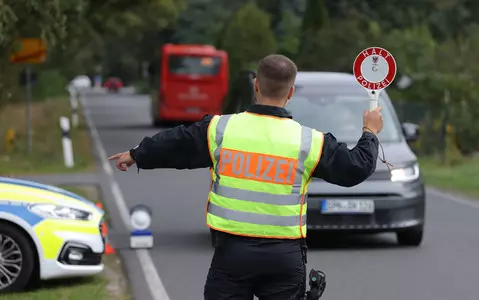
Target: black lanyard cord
pixel 383 159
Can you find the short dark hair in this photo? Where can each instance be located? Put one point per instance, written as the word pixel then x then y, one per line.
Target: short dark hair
pixel 276 74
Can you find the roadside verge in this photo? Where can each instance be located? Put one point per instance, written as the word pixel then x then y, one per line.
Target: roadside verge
pixel 46 151
pixel 460 179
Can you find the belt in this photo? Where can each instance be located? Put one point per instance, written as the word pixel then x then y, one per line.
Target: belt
pixel 218 237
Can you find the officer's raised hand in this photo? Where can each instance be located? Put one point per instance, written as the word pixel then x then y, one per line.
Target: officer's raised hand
pixel 123 160
pixel 373 121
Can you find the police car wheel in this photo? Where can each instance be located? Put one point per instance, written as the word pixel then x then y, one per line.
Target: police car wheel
pixel 410 237
pixel 16 259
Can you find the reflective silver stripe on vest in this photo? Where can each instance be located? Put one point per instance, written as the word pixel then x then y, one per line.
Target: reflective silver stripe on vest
pixel 304 149
pixel 254 218
pixel 220 132
pixel 260 197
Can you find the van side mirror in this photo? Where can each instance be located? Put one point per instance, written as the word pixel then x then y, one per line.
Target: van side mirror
pixel 411 131
pixel 251 74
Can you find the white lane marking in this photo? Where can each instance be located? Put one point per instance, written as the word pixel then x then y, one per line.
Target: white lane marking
pixel 157 289
pixel 455 198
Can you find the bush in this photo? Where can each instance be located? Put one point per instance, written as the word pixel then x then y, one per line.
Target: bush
pixel 142 87
pixel 452 155
pixel 50 83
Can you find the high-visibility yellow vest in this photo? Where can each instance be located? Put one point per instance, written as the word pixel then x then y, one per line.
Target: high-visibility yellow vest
pixel 262 166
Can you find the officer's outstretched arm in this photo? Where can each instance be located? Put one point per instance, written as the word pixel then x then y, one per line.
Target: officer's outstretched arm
pixel 341 166
pixel 181 147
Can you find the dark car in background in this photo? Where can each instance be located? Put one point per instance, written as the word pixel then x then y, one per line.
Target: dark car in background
pixel 387 201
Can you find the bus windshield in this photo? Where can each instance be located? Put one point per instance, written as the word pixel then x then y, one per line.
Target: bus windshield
pixel 194 65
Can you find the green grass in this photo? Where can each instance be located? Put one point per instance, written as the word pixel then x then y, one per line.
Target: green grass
pixel 110 285
pixel 71 289
pixel 462 178
pixel 46 155
pixel 107 286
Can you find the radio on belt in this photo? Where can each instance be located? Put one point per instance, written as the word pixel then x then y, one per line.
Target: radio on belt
pixel 141 236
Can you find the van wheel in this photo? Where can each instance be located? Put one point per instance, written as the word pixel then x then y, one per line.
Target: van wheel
pixel 411 237
pixel 16 259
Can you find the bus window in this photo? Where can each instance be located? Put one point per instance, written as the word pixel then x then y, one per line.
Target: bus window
pixel 194 65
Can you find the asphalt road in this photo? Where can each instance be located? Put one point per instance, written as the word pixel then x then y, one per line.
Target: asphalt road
pixel 445 267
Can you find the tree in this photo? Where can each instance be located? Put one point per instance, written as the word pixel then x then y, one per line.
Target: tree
pixel 202 21
pixel 34 18
pixel 315 18
pixel 334 47
pixel 125 34
pixel 29 18
pixel 274 9
pixel 248 37
pixel 290 28
pixel 413 48
pixel 81 34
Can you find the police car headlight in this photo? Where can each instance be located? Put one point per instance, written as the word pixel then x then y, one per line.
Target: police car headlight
pixel 60 212
pixel 406 174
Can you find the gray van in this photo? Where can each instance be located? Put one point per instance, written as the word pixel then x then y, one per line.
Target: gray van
pixel 386 202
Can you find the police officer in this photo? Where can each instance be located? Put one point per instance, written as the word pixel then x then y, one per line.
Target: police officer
pixel 261 162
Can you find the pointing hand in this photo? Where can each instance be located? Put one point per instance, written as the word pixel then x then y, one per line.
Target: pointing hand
pixel 123 160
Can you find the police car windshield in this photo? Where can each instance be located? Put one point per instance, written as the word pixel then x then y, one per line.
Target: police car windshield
pixel 340 114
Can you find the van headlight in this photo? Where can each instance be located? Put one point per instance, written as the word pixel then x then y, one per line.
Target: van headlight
pixel 60 212
pixel 405 174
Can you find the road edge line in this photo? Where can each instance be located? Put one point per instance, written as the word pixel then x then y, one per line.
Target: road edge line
pixel 155 284
pixel 451 197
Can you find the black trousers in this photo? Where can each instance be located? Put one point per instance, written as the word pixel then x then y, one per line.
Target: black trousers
pixel 270 270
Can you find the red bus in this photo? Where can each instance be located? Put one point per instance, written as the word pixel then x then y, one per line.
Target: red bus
pixel 193 81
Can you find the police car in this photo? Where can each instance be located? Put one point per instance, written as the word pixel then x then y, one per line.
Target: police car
pixel 45 233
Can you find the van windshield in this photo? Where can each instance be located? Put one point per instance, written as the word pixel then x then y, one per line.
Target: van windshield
pixel 340 114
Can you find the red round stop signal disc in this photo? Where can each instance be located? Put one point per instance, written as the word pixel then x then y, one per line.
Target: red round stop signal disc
pixel 374 68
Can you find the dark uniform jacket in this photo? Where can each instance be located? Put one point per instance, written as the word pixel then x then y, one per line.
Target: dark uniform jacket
pixel 186 147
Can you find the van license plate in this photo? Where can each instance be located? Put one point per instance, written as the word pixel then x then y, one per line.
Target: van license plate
pixel 347 207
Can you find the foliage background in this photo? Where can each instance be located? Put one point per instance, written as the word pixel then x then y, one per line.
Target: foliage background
pixel 435 42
